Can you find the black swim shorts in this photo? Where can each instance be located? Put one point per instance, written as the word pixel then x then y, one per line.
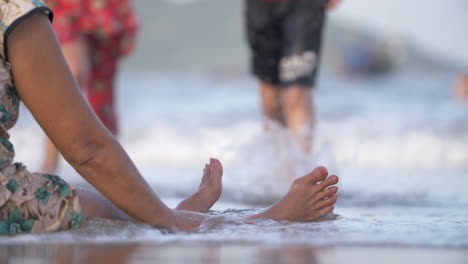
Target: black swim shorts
pixel 284 37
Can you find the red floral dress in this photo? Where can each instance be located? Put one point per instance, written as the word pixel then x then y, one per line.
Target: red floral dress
pixel 109 27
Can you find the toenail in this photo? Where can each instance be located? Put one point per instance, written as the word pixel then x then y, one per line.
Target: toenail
pixel 323 171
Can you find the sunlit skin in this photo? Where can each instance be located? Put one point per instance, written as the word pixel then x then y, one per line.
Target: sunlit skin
pixel 209 190
pixel 48 88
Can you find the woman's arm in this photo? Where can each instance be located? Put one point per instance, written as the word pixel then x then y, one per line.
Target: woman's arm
pixel 48 88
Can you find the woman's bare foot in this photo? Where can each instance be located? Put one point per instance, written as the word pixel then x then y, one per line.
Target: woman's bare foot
pixel 309 198
pixel 209 190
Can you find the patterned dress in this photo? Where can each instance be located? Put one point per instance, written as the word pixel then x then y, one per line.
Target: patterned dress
pixel 109 28
pixel 29 202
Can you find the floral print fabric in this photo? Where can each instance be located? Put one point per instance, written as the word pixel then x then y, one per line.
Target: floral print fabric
pixel 104 20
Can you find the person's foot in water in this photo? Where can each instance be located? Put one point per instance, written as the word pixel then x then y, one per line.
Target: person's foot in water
pixel 309 198
pixel 209 190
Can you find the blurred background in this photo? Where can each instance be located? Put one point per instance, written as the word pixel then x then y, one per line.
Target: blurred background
pixel 208 36
pixel 388 118
pixel 392 113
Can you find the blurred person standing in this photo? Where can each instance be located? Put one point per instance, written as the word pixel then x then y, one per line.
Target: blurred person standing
pixel 284 38
pixel 95 35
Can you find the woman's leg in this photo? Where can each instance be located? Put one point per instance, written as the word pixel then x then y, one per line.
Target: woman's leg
pixel 94 204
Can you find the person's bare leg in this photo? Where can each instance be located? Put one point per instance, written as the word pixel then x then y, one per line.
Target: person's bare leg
pixel 77 56
pixel 271 105
pixel 309 198
pixel 209 190
pixel 298 107
pixel 94 204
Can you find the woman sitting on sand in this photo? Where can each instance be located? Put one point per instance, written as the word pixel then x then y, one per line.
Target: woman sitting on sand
pixel 34 70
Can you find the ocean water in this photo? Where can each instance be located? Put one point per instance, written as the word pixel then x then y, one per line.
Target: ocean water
pixel 399 144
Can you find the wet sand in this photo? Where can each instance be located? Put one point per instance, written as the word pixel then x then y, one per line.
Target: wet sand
pixel 232 252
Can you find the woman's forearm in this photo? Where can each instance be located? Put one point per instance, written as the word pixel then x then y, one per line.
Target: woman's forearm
pixel 111 172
